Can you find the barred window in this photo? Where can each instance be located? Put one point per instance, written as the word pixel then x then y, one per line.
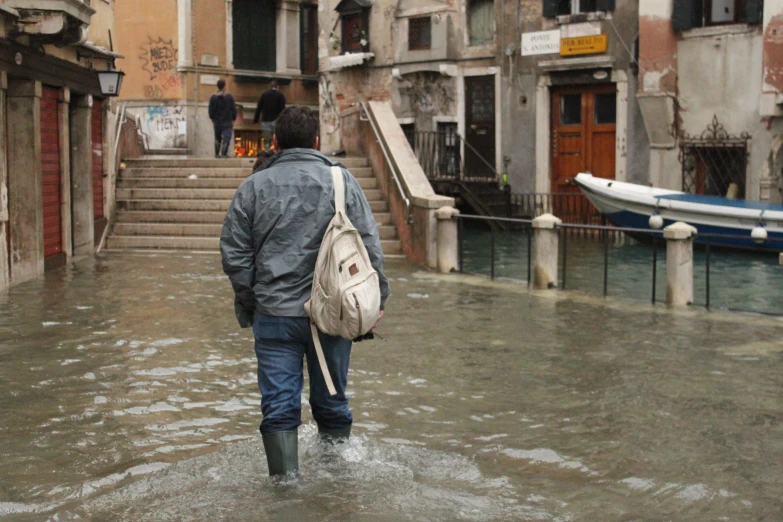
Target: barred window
pixel 419 34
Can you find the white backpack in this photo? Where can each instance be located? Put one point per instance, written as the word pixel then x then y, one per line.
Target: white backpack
pixel 346 297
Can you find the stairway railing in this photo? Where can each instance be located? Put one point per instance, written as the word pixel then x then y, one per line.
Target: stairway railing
pixel 365 116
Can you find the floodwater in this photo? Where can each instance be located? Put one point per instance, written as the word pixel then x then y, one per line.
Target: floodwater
pixel 129 394
pixel 738 280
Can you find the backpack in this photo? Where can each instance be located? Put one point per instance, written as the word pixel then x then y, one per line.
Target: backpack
pixel 346 297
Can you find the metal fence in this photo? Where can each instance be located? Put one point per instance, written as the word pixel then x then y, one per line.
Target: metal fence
pixel 606 234
pixel 440 156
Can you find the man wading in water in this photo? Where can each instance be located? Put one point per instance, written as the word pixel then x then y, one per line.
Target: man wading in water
pixel 269 244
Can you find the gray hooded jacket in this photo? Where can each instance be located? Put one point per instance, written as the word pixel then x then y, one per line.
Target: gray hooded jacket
pixel 274 228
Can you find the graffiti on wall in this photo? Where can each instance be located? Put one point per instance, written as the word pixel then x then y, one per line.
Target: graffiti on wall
pixel 165 126
pixel 159 60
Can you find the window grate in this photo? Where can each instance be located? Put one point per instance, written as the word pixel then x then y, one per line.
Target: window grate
pixel 419 34
pixel 715 162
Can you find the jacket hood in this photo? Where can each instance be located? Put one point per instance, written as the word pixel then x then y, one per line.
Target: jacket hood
pixel 298 155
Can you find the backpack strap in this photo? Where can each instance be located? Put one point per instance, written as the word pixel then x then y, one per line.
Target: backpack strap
pixel 339 189
pixel 321 360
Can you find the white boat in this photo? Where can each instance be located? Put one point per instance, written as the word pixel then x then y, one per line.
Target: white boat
pixel 753 225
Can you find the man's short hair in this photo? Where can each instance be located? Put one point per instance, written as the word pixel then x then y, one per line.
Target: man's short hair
pixel 296 127
pixel 221 84
pixel 273 84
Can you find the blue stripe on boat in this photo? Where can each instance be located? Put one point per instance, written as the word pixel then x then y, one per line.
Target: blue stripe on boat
pixel 724 202
pixel 629 219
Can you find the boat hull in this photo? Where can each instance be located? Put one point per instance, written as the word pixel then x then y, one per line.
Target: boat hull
pixel 631 206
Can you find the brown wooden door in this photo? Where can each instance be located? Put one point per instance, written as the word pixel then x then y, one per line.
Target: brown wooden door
pixel 97 159
pixel 480 126
pixel 51 173
pixel 583 134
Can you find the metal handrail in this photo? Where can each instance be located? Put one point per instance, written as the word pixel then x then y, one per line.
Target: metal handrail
pixel 121 121
pixel 363 106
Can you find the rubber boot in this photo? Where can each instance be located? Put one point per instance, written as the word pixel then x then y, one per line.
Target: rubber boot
pixel 282 452
pixel 333 437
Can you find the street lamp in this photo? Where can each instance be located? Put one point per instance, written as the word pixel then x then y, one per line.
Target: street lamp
pixel 111 81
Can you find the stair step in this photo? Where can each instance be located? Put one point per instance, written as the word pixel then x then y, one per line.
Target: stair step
pixel 163 242
pixel 362 172
pixel 389 246
pixel 170 216
pixel 387 232
pixel 379 206
pixel 209 205
pixel 373 195
pixel 179 172
pixel 129 194
pixel 168 229
pixel 175 162
pixel 367 183
pixel 352 162
pixel 382 218
pixel 206 183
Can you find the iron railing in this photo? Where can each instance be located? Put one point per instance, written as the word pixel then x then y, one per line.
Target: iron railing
pixel 714 162
pixel 605 233
pixel 440 154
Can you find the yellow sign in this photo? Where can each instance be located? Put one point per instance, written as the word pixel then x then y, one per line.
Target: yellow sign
pixel 583 45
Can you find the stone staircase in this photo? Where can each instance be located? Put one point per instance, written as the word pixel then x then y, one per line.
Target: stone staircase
pixel 180 203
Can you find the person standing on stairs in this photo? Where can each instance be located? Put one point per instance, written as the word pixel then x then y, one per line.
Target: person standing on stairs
pixel 222 112
pixel 269 245
pixel 270 105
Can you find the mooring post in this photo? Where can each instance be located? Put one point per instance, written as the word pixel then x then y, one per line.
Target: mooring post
pixel 546 251
pixel 448 240
pixel 679 264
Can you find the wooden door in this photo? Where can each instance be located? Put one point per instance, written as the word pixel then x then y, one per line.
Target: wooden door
pixel 583 134
pixel 51 173
pixel 480 126
pixel 97 159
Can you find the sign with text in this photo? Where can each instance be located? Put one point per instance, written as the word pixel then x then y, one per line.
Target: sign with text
pixel 583 45
pixel 541 42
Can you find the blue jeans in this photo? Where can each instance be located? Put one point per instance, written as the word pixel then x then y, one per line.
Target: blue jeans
pixel 222 139
pixel 281 344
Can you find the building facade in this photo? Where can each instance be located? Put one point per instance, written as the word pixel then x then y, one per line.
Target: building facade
pixel 55 132
pixel 710 85
pixel 541 90
pixel 177 50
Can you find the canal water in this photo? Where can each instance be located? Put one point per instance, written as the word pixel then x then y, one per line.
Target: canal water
pixel 129 394
pixel 738 280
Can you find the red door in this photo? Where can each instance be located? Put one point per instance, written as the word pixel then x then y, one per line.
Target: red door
pixel 97 159
pixel 51 173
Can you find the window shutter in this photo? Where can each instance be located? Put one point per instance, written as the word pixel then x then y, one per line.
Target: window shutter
pixel 605 5
pixel 550 8
pixel 755 8
pixel 685 15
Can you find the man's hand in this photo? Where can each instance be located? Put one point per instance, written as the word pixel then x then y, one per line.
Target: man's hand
pixel 380 316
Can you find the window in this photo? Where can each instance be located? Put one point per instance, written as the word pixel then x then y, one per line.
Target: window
pixel 254 33
pixel 308 34
pixel 605 108
pixel 355 25
pixel 481 21
pixel 554 8
pixel 571 109
pixel 419 34
pixel 688 14
pixel 714 162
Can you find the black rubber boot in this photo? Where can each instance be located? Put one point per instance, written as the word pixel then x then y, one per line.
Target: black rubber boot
pixel 282 452
pixel 337 436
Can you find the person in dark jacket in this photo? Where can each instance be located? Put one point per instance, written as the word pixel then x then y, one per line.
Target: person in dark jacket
pixel 269 245
pixel 270 106
pixel 222 112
